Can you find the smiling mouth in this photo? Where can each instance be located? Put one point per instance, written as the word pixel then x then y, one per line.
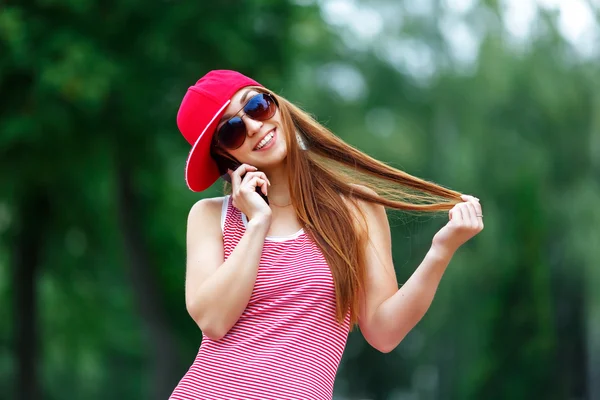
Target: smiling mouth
pixel 266 140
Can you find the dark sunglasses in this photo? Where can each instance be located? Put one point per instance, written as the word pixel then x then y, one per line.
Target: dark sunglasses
pixel 232 134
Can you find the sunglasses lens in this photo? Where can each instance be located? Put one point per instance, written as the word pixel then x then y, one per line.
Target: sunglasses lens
pixel 260 107
pixel 232 134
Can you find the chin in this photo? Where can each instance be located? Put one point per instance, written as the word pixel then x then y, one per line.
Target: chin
pixel 273 160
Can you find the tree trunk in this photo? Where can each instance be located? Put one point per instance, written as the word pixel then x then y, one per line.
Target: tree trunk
pixel 161 344
pixel 27 249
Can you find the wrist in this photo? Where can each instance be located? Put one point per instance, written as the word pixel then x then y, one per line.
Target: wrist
pixel 259 224
pixel 441 252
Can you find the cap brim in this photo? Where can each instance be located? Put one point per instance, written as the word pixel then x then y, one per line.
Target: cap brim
pixel 201 170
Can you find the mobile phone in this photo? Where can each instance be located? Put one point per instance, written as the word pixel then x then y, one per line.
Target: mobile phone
pixel 226 163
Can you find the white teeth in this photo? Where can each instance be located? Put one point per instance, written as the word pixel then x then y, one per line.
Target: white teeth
pixel 265 141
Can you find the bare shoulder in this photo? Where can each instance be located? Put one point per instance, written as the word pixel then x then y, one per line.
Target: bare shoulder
pixel 367 215
pixel 363 188
pixel 207 205
pixel 204 244
pixel 206 213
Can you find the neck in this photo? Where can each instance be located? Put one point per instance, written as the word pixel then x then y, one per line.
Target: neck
pixel 279 191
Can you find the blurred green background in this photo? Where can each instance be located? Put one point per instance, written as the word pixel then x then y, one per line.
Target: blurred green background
pixel 497 98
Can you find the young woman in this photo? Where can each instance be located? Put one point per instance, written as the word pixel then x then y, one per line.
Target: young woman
pixel 300 251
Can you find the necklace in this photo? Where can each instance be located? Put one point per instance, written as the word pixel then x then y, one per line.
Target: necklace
pixel 271 203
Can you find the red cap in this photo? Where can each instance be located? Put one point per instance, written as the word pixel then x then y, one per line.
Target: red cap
pixel 198 117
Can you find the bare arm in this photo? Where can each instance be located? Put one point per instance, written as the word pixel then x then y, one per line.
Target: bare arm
pixel 217 292
pixel 390 320
pixel 387 313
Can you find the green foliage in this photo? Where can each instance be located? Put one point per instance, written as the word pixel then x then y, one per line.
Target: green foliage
pixel 91 89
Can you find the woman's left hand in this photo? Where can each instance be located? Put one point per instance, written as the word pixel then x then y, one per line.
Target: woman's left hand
pixel 466 221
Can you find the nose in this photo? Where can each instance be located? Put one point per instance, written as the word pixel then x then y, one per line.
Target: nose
pixel 252 126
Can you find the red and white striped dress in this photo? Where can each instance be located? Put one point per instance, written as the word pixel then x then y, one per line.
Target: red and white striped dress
pixel 287 343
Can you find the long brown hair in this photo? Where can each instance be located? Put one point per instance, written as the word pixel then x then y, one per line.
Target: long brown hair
pixel 324 174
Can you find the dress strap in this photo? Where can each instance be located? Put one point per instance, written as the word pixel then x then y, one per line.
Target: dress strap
pixel 224 209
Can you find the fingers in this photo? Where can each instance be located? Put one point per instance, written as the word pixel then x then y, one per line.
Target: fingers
pixel 467 197
pixel 475 210
pixel 463 214
pixel 456 214
pixel 255 182
pixel 472 214
pixel 246 178
pixel 255 179
pixel 242 172
pixel 475 202
pixel 236 176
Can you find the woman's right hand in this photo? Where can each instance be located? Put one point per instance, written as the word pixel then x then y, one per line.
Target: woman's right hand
pixel 244 193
